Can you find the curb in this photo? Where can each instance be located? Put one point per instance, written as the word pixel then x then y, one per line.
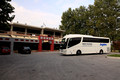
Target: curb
pixel 112 57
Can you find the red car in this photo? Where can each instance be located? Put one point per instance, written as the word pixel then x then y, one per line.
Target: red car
pixel 4 50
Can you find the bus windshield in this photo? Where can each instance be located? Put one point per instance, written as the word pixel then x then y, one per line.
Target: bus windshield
pixel 63 44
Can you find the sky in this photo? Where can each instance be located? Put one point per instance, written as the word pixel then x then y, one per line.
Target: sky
pixel 45 13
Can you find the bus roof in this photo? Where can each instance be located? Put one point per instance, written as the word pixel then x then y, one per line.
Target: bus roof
pixel 80 35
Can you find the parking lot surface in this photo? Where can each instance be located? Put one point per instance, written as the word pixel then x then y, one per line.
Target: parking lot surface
pixel 54 66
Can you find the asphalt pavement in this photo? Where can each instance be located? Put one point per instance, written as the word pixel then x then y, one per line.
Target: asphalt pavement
pixel 54 66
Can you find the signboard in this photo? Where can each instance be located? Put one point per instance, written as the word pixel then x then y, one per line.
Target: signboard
pixel 45 41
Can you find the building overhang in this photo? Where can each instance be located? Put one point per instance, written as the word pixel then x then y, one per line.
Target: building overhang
pixel 35 27
pixel 26 26
pixel 54 30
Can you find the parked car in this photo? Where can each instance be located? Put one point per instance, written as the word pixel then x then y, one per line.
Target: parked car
pixel 4 50
pixel 24 50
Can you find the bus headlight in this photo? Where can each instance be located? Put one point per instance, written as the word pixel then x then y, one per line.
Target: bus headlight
pixel 62 51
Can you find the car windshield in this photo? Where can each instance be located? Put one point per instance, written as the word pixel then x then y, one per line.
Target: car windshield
pixel 63 44
pixel 26 47
pixel 5 48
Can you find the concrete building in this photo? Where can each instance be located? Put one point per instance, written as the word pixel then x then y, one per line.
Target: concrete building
pixel 27 35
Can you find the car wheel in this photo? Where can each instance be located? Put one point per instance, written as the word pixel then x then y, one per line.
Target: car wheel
pixel 8 53
pixel 29 52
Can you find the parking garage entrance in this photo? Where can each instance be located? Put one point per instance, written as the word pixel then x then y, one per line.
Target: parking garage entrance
pixel 4 43
pixel 33 46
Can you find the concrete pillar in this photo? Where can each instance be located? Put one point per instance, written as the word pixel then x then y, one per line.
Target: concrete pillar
pixel 12 46
pixel 11 29
pixel 42 31
pixel 25 31
pixel 61 35
pixel 54 34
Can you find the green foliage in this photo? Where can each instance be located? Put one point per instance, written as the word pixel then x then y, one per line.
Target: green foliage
pixel 5 13
pixel 114 55
pixel 99 19
pixel 74 20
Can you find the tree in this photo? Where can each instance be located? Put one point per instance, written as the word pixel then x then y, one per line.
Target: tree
pixel 67 19
pixel 106 13
pixel 80 17
pixel 99 19
pixel 5 13
pixel 73 21
pixel 90 22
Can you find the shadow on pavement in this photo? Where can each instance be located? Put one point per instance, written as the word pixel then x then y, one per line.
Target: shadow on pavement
pixel 84 54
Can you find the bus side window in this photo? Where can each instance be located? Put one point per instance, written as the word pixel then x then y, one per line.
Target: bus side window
pixel 73 41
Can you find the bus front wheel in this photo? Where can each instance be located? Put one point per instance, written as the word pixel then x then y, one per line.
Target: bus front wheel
pixel 78 52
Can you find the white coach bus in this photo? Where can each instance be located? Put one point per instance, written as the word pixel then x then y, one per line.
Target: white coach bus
pixel 82 44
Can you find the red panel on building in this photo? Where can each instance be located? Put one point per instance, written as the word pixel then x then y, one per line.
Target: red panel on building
pixel 41 38
pixel 31 40
pixel 27 40
pixel 1 38
pixel 16 39
pixel 22 39
pixel 6 38
pixel 36 40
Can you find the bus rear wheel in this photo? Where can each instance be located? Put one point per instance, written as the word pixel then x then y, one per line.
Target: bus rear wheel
pixel 101 51
pixel 78 52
